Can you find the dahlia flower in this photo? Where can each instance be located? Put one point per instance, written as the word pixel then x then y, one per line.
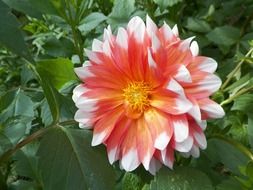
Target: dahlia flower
pixel 145 94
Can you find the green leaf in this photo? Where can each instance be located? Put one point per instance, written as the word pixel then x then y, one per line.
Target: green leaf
pixel 15 103
pixel 229 184
pixel 45 113
pixel 62 47
pixel 3 184
pixel 91 21
pixel 5 142
pixel 181 178
pixel 26 75
pixel 51 95
pixel 23 185
pixel 10 34
pixel 220 151
pixel 239 84
pixel 197 25
pixel 163 4
pixel 54 73
pixel 131 181
pixel 121 12
pixel 27 161
pixel 12 132
pixel 24 6
pixel 225 35
pixel 45 6
pixel 243 103
pixel 249 170
pixel 16 130
pixel 67 109
pixel 250 129
pixel 6 99
pixel 71 163
pixel 57 71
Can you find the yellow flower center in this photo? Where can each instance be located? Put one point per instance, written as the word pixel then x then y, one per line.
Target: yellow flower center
pixel 137 95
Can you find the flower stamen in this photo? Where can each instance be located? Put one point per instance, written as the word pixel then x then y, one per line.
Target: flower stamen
pixel 136 95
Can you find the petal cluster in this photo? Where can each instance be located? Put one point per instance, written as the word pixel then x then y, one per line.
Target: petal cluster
pixel 145 94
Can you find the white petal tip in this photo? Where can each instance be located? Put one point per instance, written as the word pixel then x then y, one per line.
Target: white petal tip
pixel 175 30
pixel 194 47
pixel 98 138
pixel 112 155
pixel 130 160
pixel 162 141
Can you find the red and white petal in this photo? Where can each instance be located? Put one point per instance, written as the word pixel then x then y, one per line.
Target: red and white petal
pixel 108 34
pixel 160 128
pixel 114 141
pixel 113 154
pixel 208 65
pixel 161 141
pixel 136 27
pixel 167 32
pixel 210 83
pixel 181 128
pixel 184 146
pixel 104 126
pixel 156 44
pixel 122 38
pixel 154 166
pixel 84 126
pixel 167 156
pixel 78 91
pixel 195 110
pixel 200 139
pixel 174 86
pixel 194 47
pixel 144 143
pixel 195 151
pixel 93 56
pixel 130 160
pixel 151 61
pixel 129 151
pixel 185 44
pixel 183 75
pixel 201 63
pixel 97 45
pixel 83 117
pixel 210 108
pixel 177 106
pixel 107 48
pixel 86 103
pixel 204 84
pixel 175 30
pixel 83 72
pixel 170 102
pixel 202 124
pixel 151 26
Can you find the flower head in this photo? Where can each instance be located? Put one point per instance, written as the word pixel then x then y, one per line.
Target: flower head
pixel 145 94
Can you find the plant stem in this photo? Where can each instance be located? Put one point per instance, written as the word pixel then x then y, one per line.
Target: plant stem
pixel 68 122
pixel 78 44
pixel 239 146
pixel 6 155
pixel 73 24
pixel 240 92
pixel 231 75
